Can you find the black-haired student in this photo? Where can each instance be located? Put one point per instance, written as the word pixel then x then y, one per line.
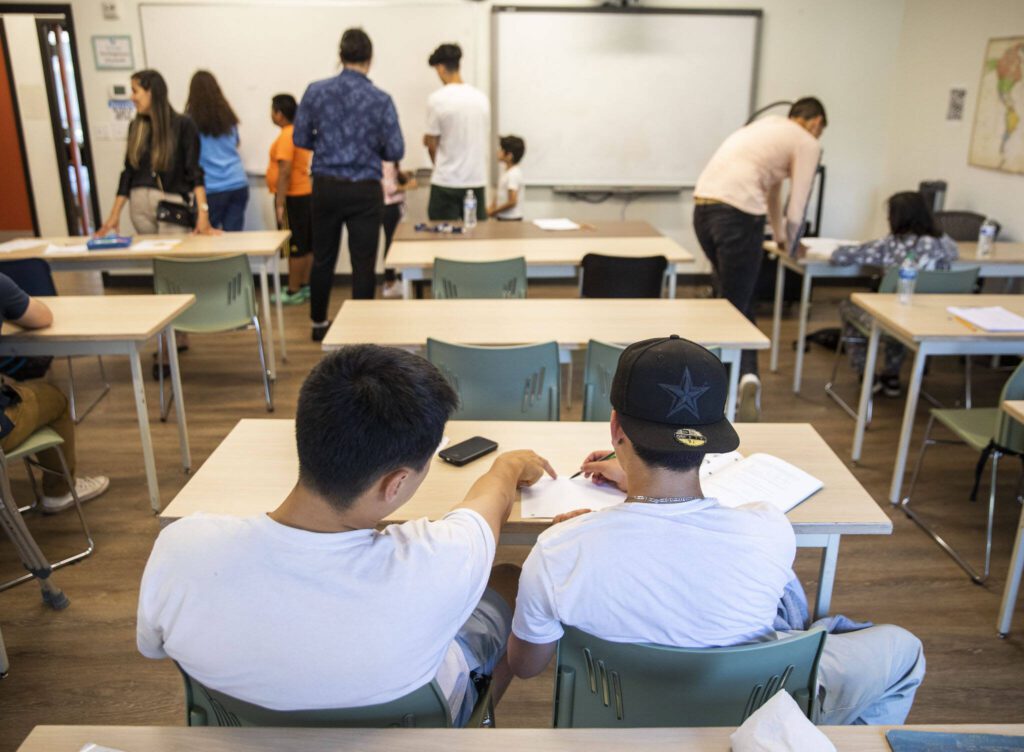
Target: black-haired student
pixel 508 204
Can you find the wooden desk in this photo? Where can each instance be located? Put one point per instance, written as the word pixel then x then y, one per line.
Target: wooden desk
pixel 1015 409
pixel 112 325
pixel 261 248
pixel 255 467
pixel 570 322
pixel 1007 261
pixel 928 329
pixel 547 253
pixel 205 739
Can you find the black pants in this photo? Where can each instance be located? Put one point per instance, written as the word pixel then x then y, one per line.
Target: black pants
pixel 358 207
pixel 392 216
pixel 732 240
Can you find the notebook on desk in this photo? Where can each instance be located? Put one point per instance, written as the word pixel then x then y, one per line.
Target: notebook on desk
pixel 904 740
pixel 989 318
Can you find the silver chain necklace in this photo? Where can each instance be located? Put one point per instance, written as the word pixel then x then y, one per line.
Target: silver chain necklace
pixel 661 499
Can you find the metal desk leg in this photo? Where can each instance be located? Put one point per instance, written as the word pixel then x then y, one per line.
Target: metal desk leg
pixel 780 283
pixel 672 281
pixel 1013 576
pixel 826 577
pixel 406 288
pixel 5 665
pixel 871 358
pixel 268 321
pixel 139 385
pixel 801 337
pixel 909 412
pixel 732 359
pixel 280 307
pixel 179 398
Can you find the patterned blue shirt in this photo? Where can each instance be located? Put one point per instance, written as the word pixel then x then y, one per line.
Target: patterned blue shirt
pixel 350 125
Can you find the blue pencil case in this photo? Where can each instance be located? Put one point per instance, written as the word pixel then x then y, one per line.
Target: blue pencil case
pixel 109 242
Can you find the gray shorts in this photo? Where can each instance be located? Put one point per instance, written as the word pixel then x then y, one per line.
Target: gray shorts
pixel 483 640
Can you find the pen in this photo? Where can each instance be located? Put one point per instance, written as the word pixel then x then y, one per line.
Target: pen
pixel 606 457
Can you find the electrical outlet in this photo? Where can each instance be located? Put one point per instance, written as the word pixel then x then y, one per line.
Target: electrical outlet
pixel 111 10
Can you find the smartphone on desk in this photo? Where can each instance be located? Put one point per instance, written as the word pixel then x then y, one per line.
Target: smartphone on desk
pixel 466 451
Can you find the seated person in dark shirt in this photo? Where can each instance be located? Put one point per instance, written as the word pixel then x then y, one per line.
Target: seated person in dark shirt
pixel 27 406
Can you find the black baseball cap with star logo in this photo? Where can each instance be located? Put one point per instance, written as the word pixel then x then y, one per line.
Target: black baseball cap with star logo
pixel 670 396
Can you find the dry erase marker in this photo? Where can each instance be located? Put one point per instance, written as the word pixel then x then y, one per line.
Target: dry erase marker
pixel 606 457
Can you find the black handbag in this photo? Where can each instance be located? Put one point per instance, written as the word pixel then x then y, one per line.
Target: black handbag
pixel 173 213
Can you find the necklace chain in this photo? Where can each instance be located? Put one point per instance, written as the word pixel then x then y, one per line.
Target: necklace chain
pixel 662 499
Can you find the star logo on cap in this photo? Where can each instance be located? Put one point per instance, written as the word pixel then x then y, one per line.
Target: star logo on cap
pixel 685 395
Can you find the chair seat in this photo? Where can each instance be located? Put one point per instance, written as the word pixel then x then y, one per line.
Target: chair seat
pixel 972 426
pixel 41 440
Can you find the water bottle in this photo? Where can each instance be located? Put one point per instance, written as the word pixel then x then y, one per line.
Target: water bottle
pixel 907 280
pixel 986 238
pixel 469 210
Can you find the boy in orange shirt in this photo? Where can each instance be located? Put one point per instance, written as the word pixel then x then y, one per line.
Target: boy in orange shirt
pixel 289 180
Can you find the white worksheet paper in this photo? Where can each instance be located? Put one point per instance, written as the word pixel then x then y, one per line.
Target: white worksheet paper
pixel 558 224
pixel 76 248
pixel 550 497
pixel 155 245
pixel 989 318
pixel 759 477
pixel 821 249
pixel 23 244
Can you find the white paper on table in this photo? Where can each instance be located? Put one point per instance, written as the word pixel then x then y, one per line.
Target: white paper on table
pixel 557 224
pixel 97 748
pixel 155 245
pixel 821 249
pixel 715 463
pixel 759 477
pixel 76 248
pixel 22 244
pixel 550 497
pixel 989 318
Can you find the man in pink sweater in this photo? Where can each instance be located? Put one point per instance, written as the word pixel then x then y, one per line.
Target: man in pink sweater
pixel 741 185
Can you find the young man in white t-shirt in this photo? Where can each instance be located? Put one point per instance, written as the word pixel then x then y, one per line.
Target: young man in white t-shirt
pixel 311 606
pixel 457 137
pixel 671 567
pixel 508 205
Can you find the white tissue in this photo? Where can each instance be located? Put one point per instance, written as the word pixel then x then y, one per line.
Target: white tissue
pixel 779 726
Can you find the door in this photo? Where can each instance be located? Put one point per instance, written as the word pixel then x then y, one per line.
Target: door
pixel 17 210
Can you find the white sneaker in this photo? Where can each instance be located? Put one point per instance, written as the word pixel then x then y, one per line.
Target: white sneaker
pixel 391 290
pixel 750 399
pixel 86 488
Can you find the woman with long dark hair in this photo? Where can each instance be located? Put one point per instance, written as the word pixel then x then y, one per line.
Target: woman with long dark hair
pixel 161 165
pixel 227 187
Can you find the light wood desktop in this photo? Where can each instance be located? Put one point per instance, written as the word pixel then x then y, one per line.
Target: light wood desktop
pixel 261 247
pixel 547 253
pixel 255 467
pixel 1005 261
pixel 205 739
pixel 926 328
pixel 1015 409
pixel 112 325
pixel 570 322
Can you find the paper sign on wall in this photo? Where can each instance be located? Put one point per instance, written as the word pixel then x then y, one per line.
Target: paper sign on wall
pixel 113 52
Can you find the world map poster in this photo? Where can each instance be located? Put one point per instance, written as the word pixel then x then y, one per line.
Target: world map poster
pixel 998 138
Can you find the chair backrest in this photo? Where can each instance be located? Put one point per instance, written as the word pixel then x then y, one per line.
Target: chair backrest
pixel 601 684
pixel 622 277
pixel 479 279
pixel 934 282
pixel 602 360
pixel 32 275
pixel 223 288
pixel 961 225
pixel 500 383
pixel 1009 433
pixel 425 707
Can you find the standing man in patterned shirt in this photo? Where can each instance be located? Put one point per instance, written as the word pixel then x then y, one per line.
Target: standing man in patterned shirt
pixel 351 127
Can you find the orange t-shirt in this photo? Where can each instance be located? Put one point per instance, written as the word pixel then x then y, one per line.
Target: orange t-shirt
pixel 284 149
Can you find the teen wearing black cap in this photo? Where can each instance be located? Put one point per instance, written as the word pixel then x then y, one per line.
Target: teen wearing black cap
pixel 671 567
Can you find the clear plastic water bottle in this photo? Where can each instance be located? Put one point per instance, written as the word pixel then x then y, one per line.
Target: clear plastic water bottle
pixel 986 238
pixel 469 210
pixel 907 280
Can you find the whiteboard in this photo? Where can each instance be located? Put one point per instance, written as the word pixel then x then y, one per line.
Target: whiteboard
pixel 259 50
pixel 610 97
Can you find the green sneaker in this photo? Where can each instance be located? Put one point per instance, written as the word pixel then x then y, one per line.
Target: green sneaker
pixel 289 298
pixel 305 292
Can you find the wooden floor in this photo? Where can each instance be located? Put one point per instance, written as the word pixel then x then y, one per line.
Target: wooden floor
pixel 80 665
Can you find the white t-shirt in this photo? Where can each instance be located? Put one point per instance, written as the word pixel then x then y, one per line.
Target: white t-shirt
pixel 461 116
pixel 290 619
pixel 687 575
pixel 511 180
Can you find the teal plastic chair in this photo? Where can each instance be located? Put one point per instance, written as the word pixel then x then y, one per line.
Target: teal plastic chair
pixel 40 441
pixel 500 383
pixel 601 684
pixel 479 279
pixel 225 301
pixel 426 707
pixel 602 360
pixel 990 432
pixel 953 282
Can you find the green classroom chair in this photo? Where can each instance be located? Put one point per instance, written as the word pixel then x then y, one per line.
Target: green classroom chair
pixel 930 282
pixel 479 279
pixel 990 432
pixel 426 707
pixel 225 301
pixel 500 383
pixel 601 684
pixel 602 360
pixel 40 441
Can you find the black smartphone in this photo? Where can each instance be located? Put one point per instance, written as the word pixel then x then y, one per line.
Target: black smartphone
pixel 466 451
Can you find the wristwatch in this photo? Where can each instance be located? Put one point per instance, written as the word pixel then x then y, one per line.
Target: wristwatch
pixel 205 208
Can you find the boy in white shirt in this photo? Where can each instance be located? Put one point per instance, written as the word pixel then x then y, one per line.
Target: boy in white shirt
pixel 508 205
pixel 671 567
pixel 311 606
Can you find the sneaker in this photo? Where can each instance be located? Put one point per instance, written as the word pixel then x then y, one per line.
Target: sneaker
pixel 290 298
pixel 890 386
pixel 750 399
pixel 86 488
pixel 320 331
pixel 305 292
pixel 391 290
